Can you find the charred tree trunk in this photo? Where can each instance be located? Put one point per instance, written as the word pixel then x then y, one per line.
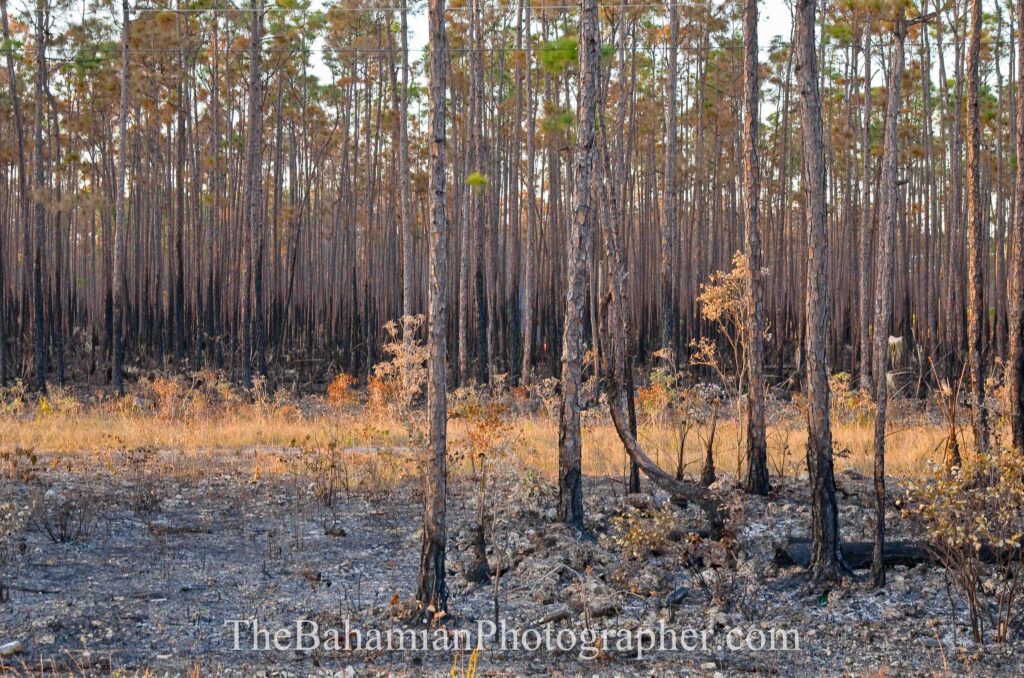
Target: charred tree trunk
pixel 570 472
pixel 22 211
pixel 1016 329
pixel 117 373
pixel 433 592
pixel 252 316
pixel 757 446
pixel 864 282
pixel 38 190
pixel 883 287
pixel 975 239
pixel 827 560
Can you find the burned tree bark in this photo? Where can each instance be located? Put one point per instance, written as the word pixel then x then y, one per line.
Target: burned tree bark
pixel 12 84
pixel 975 252
pixel 433 591
pixel 883 288
pixel 827 561
pixel 119 216
pixel 757 446
pixel 570 472
pixel 252 315
pixel 669 225
pixel 39 216
pixel 1016 330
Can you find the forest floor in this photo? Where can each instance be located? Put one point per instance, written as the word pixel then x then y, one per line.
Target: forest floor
pixel 147 537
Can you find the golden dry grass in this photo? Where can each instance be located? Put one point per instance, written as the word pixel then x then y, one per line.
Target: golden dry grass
pixel 913 441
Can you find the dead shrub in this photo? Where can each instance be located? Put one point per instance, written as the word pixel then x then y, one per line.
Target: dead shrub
pixel 20 464
pixel 326 469
pixel 340 391
pixel 974 518
pixel 64 514
pixel 147 488
pixel 641 533
pixel 398 382
pixel 12 519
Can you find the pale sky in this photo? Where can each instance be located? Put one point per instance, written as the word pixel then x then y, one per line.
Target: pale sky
pixel 774 21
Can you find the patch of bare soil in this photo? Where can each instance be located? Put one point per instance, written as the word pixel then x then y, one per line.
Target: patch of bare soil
pixel 161 564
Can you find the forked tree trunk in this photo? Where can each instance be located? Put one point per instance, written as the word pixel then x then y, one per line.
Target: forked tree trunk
pixel 883 286
pixel 975 251
pixel 433 592
pixel 826 561
pixel 757 446
pixel 570 472
pixel 119 216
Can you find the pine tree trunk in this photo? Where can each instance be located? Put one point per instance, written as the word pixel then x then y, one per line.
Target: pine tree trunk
pixel 22 212
pixel 38 188
pixel 433 592
pixel 1016 330
pixel 403 174
pixel 826 559
pixel 975 253
pixel 570 472
pixel 757 446
pixel 669 216
pixel 884 283
pixel 251 315
pixel 864 281
pixel 529 257
pixel 119 217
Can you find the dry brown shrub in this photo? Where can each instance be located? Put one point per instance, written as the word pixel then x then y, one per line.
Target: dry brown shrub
pixel 340 391
pixel 396 383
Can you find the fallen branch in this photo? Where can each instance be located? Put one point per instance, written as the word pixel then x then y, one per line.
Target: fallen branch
pixel 679 489
pixel 858 554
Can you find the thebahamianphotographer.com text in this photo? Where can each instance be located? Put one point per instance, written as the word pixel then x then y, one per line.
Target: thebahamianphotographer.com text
pixel 305 635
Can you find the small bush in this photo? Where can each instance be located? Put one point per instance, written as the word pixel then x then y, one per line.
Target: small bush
pixel 340 391
pixel 147 489
pixel 65 515
pixel 12 520
pixel 974 517
pixel 640 534
pixel 396 383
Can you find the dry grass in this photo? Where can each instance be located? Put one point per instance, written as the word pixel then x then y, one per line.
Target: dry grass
pixel 191 422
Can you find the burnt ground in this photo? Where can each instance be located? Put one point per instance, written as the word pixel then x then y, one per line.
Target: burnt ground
pixel 178 544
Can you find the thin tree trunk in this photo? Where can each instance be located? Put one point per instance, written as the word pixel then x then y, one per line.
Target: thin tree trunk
pixel 38 190
pixel 529 256
pixel 826 560
pixel 1016 330
pixel 864 280
pixel 668 224
pixel 976 255
pixel 22 212
pixel 433 592
pixel 570 472
pixel 119 217
pixel 251 315
pixel 884 283
pixel 757 446
pixel 403 173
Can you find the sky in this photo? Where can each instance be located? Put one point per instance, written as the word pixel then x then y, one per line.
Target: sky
pixel 774 22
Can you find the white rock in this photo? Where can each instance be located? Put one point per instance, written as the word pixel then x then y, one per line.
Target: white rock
pixel 7 649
